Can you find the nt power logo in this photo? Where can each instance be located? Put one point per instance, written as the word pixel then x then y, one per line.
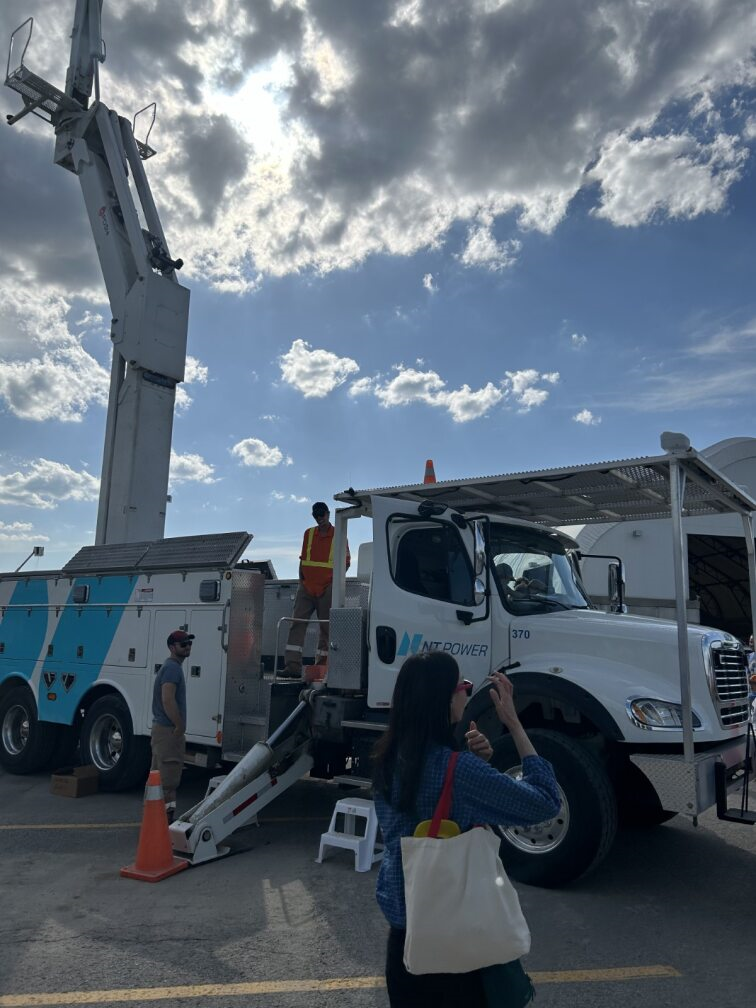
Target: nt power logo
pixel 418 643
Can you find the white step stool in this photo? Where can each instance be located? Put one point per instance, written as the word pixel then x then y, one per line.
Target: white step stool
pixel 364 846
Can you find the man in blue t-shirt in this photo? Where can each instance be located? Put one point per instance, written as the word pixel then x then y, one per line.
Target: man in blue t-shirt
pixel 169 718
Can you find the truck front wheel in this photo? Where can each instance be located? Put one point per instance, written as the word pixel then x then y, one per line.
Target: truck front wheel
pixel 108 742
pixel 26 743
pixel 571 844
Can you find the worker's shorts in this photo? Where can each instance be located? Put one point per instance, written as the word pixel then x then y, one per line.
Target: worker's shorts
pixel 168 751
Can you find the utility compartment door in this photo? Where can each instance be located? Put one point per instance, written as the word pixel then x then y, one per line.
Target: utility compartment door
pixel 204 673
pixel 422 592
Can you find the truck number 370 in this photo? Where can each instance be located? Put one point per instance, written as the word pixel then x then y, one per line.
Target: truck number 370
pixel 521 633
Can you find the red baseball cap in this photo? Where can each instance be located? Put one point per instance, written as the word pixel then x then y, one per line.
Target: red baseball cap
pixel 179 637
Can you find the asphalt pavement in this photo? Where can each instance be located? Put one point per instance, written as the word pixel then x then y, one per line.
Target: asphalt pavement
pixel 667 919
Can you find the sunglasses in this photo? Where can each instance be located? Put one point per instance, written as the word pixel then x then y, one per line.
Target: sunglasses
pixel 464 686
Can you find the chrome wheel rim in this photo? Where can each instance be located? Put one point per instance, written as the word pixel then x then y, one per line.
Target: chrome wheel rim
pixel 106 742
pixel 16 729
pixel 541 837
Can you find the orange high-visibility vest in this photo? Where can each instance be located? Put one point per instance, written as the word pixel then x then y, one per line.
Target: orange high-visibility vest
pixel 317 560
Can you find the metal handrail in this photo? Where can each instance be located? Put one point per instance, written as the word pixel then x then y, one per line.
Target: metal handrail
pixel 287 619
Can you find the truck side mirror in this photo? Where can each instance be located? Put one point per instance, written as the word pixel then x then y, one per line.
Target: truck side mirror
pixel 480 548
pixel 616 588
pixel 479 591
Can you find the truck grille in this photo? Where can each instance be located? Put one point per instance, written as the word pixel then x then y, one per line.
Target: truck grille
pixel 730 670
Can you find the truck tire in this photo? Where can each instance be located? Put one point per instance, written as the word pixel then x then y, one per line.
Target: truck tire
pixel 578 838
pixel 26 743
pixel 108 742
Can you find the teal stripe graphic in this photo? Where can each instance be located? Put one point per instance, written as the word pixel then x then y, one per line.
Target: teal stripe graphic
pixel 23 631
pixel 92 629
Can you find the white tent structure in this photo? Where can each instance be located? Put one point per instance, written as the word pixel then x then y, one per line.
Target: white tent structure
pixel 715 560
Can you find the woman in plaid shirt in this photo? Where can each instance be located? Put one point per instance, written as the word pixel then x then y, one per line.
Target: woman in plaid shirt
pixel 408 772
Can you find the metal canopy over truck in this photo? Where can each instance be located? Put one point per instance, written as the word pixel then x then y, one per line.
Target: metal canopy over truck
pixel 677 484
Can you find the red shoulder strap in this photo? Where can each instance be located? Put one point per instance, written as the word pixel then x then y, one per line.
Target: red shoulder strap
pixel 444 802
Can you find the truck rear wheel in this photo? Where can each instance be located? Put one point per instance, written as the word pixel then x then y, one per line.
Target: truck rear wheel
pixel 577 839
pixel 26 743
pixel 108 742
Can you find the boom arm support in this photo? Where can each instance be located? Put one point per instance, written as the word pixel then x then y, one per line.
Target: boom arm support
pixel 149 308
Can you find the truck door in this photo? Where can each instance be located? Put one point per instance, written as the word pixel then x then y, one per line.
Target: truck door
pixel 423 594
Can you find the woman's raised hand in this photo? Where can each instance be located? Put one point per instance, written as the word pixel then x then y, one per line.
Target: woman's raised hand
pixel 502 697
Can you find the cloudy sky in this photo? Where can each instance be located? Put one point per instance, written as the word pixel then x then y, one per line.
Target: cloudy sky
pixel 501 234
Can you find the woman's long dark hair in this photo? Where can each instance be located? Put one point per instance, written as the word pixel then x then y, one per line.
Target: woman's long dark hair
pixel 420 718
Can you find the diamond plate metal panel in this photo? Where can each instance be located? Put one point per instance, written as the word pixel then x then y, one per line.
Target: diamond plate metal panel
pixel 247 699
pixel 681 787
pixel 347 654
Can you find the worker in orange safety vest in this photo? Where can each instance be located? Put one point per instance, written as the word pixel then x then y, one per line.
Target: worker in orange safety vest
pixel 314 592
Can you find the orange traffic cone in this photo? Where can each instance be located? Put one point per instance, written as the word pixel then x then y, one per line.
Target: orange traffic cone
pixel 430 473
pixel 154 860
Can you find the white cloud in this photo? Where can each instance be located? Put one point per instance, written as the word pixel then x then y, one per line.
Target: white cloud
pixel 522 387
pixel 578 341
pixel 20 532
pixel 482 249
pixel 361 387
pixel 45 372
pixel 254 452
pixel 42 483
pixel 291 498
pixel 90 320
pixel 316 143
pixel 314 373
pixel 55 386
pixel 191 468
pixel 587 418
pixel 465 404
pixel 675 176
pixel 195 371
pixel 430 284
pixel 412 386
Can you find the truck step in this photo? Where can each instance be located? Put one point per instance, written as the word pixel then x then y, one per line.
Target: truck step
pixel 376 726
pixel 736 815
pixel 722 785
pixel 250 719
pixel 360 782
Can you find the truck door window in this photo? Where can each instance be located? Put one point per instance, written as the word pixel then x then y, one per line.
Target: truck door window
pixel 431 561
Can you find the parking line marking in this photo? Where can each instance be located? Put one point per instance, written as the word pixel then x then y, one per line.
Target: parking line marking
pixel 135 825
pixel 54 826
pixel 103 997
pixel 610 975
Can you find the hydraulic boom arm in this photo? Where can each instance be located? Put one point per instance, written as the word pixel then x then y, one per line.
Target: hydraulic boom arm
pixel 149 308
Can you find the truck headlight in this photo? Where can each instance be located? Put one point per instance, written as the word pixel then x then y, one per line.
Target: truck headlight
pixel 647 713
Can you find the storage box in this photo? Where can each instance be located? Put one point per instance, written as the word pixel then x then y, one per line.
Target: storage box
pixel 74 782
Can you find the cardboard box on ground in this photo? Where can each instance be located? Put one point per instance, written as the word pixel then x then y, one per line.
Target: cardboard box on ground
pixel 74 782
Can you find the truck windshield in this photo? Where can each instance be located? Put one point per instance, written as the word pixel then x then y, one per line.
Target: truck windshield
pixel 533 571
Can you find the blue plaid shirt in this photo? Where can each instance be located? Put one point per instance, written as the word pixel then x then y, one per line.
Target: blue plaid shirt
pixel 481 794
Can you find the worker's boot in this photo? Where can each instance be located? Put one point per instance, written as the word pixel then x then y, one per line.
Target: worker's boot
pixel 290 671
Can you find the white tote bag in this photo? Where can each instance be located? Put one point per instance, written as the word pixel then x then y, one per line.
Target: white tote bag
pixel 463 913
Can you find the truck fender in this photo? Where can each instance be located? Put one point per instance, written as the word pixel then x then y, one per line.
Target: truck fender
pixel 537 687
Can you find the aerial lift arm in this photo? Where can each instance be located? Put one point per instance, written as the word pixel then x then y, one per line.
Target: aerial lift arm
pixel 149 308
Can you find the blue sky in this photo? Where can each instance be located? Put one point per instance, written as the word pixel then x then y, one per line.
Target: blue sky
pixel 503 236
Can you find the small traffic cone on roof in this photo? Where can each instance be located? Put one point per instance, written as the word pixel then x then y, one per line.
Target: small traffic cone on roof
pixel 430 473
pixel 154 859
